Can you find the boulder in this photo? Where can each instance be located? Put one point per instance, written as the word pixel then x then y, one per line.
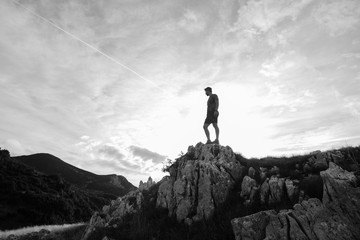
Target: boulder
pixel 251 172
pixel 336 217
pixel 199 181
pixel 249 189
pixel 264 192
pixel 276 186
pixel 263 173
pixel 292 190
pixel 318 162
pixel 114 213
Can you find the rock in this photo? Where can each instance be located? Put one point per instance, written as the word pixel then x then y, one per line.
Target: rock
pixel 276 186
pixel 292 190
pixel 199 181
pixel 318 162
pixel 249 189
pixel 309 220
pixel 247 184
pixel 337 217
pixel 251 172
pixel 164 196
pixel 264 192
pixel 252 226
pixel 114 213
pixel 337 157
pixel 263 174
pixel 146 185
pixel 341 194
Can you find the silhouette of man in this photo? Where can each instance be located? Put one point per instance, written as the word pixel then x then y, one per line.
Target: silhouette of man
pixel 212 115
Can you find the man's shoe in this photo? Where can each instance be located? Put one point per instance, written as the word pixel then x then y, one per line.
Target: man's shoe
pixel 216 141
pixel 208 142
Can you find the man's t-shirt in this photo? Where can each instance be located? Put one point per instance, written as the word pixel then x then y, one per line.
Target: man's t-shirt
pixel 211 103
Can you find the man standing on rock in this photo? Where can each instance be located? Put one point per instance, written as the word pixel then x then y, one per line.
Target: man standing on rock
pixel 212 115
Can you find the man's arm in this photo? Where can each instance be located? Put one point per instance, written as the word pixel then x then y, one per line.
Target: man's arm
pixel 216 102
pixel 216 113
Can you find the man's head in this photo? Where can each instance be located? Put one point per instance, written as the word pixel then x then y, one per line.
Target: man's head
pixel 208 91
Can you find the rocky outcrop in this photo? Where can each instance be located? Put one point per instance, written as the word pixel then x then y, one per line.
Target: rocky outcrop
pixel 146 185
pixel 314 196
pixel 112 215
pixel 249 190
pixel 199 182
pixel 337 217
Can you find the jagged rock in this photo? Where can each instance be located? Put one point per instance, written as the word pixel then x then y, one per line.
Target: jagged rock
pixel 264 192
pixel 276 186
pixel 252 226
pixel 251 172
pixel 247 184
pixel 292 190
pixel 317 162
pixel 338 217
pixel 337 157
pixel 249 190
pixel 146 185
pixel 165 193
pixel 114 213
pixel 199 181
pixel 342 194
pixel 263 174
pixel 309 220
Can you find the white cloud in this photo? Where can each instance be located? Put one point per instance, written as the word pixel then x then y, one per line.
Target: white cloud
pixel 353 105
pixel 192 22
pixel 278 65
pixel 338 17
pixel 261 16
pixel 277 76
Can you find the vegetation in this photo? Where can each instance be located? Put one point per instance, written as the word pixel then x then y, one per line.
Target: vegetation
pixel 30 198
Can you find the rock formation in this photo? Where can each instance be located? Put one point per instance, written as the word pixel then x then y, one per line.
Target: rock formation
pixel 336 217
pixel 199 182
pixel 145 186
pixel 112 215
pixel 314 196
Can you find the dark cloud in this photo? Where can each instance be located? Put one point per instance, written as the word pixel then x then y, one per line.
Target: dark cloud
pixel 111 152
pixel 146 154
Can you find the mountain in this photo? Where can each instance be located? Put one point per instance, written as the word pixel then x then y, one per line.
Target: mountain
pixel 213 193
pixel 113 185
pixel 28 197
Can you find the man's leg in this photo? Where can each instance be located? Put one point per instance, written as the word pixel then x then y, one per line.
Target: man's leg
pixel 217 131
pixel 207 133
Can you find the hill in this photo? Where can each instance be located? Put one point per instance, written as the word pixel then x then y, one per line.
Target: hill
pixel 213 193
pixel 28 197
pixel 113 185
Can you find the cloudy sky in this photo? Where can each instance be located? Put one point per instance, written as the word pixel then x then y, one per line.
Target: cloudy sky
pixel 116 86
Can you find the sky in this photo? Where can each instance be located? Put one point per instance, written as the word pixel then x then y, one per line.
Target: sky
pixel 117 86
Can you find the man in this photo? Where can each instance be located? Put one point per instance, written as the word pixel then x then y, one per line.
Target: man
pixel 212 115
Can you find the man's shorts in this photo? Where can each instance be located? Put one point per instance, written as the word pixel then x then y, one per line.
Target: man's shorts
pixel 211 118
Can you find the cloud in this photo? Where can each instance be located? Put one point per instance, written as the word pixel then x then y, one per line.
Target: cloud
pixel 338 17
pixel 146 154
pixel 111 152
pixel 260 16
pixel 353 105
pixel 192 22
